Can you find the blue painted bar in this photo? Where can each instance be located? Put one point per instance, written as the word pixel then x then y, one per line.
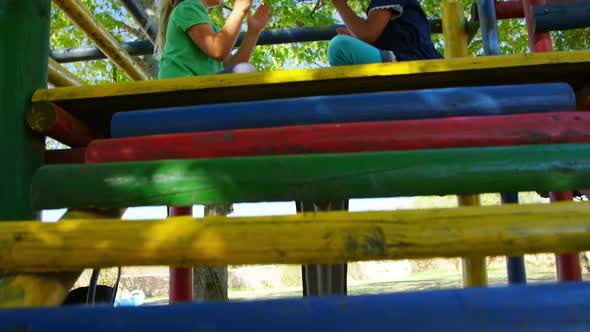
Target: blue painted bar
pixel 488 26
pixel 420 104
pixel 562 16
pixel 515 265
pixel 555 308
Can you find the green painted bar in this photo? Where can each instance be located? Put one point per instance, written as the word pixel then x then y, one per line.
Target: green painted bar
pixel 314 177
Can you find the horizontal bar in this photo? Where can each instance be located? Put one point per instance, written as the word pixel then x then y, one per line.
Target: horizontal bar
pixel 323 237
pixel 65 156
pixel 96 104
pixel 51 120
pixel 419 104
pixel 267 37
pixel 314 177
pixel 504 10
pixel 562 16
pixel 537 308
pixel 539 128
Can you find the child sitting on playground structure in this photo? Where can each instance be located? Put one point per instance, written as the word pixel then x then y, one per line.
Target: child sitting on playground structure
pixel 190 44
pixel 394 30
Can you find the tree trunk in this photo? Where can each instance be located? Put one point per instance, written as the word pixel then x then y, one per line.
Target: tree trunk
pixel 210 283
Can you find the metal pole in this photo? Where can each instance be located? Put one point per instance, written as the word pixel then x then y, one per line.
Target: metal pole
pixel 269 37
pixel 142 18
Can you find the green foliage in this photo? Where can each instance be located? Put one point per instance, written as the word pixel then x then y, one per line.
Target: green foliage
pixel 286 14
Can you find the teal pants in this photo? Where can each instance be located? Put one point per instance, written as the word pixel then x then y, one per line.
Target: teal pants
pixel 346 50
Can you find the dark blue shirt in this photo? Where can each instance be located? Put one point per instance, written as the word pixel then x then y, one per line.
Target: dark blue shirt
pixel 407 35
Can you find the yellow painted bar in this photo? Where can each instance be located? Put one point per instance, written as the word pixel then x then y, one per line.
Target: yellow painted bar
pixel 314 238
pixel 489 70
pixel 35 290
pixel 60 77
pixel 454 34
pixel 50 289
pixel 455 38
pixel 102 38
pixel 474 267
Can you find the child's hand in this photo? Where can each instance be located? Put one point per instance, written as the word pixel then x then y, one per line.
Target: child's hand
pixel 243 5
pixel 261 18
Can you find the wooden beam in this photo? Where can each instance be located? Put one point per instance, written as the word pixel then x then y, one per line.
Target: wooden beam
pixel 102 38
pixel 96 104
pixel 556 308
pixel 51 120
pixel 313 177
pixel 329 237
pixel 383 106
pixel 60 77
pixel 522 129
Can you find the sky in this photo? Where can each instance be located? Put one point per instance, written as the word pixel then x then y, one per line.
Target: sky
pixel 252 209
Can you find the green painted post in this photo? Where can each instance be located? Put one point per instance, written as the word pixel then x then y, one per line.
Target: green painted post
pixel 24 46
pixel 24 49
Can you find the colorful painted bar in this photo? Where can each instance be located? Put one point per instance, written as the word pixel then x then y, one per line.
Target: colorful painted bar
pixel 504 10
pixel 489 26
pixel 65 156
pixel 419 104
pixel 51 120
pixel 522 129
pixel 59 76
pixel 96 104
pixel 561 16
pixel 558 308
pixel 306 238
pixel 313 177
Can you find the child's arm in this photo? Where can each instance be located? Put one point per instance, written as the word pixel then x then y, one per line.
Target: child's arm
pixel 256 23
pixel 366 30
pixel 219 45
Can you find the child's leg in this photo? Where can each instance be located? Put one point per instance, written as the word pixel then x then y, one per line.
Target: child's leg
pixel 346 50
pixel 242 67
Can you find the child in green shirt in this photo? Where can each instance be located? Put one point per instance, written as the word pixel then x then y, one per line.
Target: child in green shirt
pixel 190 44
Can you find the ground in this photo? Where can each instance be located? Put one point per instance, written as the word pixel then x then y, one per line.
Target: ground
pixel 422 280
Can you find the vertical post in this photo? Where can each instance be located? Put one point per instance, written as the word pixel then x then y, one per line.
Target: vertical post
pixel 455 36
pixel 568 266
pixel 474 267
pixel 514 264
pixel 488 26
pixel 23 68
pixel 181 278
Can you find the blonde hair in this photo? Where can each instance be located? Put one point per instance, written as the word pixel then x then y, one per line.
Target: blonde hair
pixel 165 10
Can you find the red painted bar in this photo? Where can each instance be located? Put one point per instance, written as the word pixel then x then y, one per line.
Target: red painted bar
pixel 541 128
pixel 51 120
pixel 568 265
pixel 65 156
pixel 181 278
pixel 504 10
